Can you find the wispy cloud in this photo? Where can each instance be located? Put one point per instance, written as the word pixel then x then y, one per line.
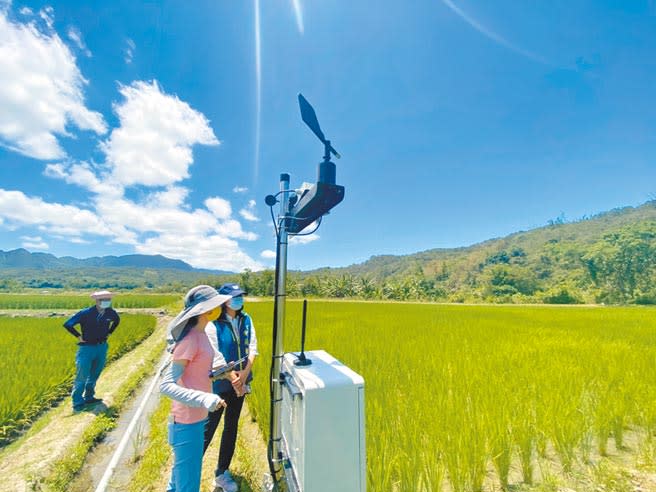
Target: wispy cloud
pixel 130 47
pixel 497 38
pixel 75 35
pixel 298 13
pixel 248 212
pixel 240 189
pixel 47 15
pixel 34 243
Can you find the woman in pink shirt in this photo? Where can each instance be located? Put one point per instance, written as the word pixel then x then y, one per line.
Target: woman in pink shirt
pixel 187 382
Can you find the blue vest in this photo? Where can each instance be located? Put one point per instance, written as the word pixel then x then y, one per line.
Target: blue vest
pixel 232 348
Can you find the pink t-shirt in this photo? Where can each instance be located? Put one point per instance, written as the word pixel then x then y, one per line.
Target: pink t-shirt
pixel 196 349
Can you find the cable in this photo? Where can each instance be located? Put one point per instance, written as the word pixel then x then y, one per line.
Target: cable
pixel 308 233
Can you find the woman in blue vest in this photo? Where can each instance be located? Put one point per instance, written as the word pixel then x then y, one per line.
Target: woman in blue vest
pixel 232 336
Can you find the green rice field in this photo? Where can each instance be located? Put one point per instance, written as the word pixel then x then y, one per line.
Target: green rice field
pixel 37 363
pixel 469 398
pixel 79 301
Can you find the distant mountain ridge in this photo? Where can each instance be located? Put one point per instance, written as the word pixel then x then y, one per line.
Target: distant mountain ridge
pixel 585 232
pixel 22 258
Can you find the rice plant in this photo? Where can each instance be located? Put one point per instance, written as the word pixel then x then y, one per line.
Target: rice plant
pixel 37 364
pixel 459 396
pixel 79 301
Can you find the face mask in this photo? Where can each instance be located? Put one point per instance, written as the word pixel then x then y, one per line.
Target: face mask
pixel 105 304
pixel 214 314
pixel 236 303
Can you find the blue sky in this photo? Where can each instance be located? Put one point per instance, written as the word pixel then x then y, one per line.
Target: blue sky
pixel 159 127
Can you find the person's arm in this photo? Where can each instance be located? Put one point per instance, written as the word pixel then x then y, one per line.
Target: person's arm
pixel 70 323
pixel 116 320
pixel 242 376
pixel 190 397
pixel 252 351
pixel 219 360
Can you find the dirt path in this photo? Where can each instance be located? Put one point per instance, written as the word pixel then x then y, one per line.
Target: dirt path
pixel 25 463
pixel 99 458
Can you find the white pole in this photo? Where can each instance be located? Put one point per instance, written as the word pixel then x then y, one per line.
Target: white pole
pixel 104 481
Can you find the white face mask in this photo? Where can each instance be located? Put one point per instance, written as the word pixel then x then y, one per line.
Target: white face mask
pixel 105 304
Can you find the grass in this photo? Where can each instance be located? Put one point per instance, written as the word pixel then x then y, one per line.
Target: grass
pixel 454 392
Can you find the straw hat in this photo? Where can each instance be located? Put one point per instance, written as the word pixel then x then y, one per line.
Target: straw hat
pixel 198 300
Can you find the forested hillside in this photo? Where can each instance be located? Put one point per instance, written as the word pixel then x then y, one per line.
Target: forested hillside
pixel 607 258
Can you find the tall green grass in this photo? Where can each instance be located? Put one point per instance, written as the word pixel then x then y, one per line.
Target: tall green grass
pixel 456 391
pixel 37 364
pixel 79 301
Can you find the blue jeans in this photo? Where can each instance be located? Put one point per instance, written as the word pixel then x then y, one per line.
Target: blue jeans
pixel 187 443
pixel 89 362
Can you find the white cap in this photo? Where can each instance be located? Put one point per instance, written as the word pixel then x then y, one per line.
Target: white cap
pixel 102 294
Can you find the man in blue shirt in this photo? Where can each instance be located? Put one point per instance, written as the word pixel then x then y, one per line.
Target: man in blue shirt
pixel 96 323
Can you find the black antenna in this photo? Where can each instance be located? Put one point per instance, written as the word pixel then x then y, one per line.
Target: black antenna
pixel 310 119
pixel 302 360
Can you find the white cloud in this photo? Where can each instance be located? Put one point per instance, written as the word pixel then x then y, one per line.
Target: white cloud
pixel 248 213
pixel 152 146
pixel 75 35
pixel 214 252
pixel 19 209
pixel 268 254
pixel 34 242
pixel 219 207
pixel 232 228
pixel 78 240
pixel 240 189
pixel 171 197
pixel 300 240
pixel 83 174
pixel 25 10
pixel 129 51
pixel 40 90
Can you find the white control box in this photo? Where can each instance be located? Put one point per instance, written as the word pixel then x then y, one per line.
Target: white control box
pixel 322 426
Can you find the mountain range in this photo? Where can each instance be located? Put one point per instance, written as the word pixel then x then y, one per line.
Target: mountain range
pixel 22 258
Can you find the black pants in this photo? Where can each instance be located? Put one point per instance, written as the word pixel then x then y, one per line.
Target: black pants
pixel 229 436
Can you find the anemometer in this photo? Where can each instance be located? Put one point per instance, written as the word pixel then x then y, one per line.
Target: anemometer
pixel 316 427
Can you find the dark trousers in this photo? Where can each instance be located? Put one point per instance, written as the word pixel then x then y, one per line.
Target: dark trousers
pixel 229 436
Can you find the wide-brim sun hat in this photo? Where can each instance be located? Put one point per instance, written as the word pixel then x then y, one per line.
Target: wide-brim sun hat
pixel 102 294
pixel 198 300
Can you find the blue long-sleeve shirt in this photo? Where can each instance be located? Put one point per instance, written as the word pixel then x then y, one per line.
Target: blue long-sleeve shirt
pixel 96 326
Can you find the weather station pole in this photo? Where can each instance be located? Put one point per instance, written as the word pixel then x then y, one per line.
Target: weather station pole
pixel 279 316
pixel 299 209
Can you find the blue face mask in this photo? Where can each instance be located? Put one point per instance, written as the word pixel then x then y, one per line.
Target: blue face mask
pixel 236 303
pixel 105 304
